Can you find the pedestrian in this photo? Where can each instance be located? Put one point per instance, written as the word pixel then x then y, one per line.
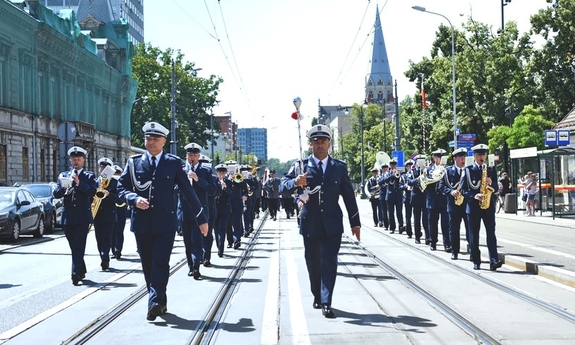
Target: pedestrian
pixel 479 180
pixel 77 188
pixel 531 190
pixel 450 186
pixel 105 215
pixel 147 184
pixel 321 223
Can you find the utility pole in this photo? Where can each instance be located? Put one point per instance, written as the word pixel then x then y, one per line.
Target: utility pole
pixel 173 145
pixel 397 137
pixel 503 4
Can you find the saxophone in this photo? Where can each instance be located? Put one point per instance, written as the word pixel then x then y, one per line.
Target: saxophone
pixel 486 190
pixel 459 198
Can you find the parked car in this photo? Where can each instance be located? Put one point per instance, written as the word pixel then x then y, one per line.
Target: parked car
pixel 20 213
pixel 44 192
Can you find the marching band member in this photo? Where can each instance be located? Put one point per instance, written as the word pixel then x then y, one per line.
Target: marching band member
pixel 77 188
pixel 148 184
pixel 374 189
pixel 105 219
pixel 272 188
pixel 475 187
pixel 250 201
pixel 321 217
pixel 382 193
pixel 417 199
pixel 394 197
pixel 406 190
pixel 238 198
pixel 223 207
pixel 200 177
pixel 121 215
pixel 450 186
pixel 436 204
pixel 208 241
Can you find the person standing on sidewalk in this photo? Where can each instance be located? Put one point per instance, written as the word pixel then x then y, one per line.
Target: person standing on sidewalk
pixel 531 190
pixel 321 223
pixel 470 188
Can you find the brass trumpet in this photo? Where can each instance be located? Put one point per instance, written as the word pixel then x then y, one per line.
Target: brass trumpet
pixel 238 178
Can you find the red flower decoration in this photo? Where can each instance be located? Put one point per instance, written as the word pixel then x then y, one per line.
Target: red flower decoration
pixel 295 115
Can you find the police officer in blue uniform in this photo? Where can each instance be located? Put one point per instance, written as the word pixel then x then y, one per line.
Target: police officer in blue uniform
pixel 321 223
pixel 374 189
pixel 471 188
pixel 406 191
pixel 382 197
pixel 238 200
pixel 77 188
pixel 394 197
pixel 147 184
pixel 436 204
pixel 105 219
pixel 420 217
pixel 451 187
pixel 250 201
pixel 122 212
pixel 200 177
pixel 209 238
pixel 223 207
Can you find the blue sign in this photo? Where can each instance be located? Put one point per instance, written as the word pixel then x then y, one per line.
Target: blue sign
pixel 563 137
pixel 551 138
pixel 398 156
pixel 466 137
pixel 463 143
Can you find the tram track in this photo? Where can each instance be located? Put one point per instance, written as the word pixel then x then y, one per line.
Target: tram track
pixel 205 330
pixel 476 331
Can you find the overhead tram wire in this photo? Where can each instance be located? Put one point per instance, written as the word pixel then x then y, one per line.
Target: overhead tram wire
pixel 189 15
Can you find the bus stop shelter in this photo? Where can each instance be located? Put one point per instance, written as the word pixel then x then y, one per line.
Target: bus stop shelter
pixel 555 171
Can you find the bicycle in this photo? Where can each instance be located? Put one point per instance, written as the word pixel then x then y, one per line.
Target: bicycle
pixel 499 202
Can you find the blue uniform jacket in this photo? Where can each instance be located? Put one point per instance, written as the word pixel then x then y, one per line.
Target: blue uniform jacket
pixel 394 193
pixel 77 206
pixel 321 216
pixel 417 195
pixel 107 210
pixel 448 184
pixel 223 202
pixel 236 197
pixel 434 198
pixel 138 180
pixel 471 186
pixel 204 187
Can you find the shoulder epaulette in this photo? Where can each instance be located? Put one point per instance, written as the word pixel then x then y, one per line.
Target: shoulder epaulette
pixel 136 155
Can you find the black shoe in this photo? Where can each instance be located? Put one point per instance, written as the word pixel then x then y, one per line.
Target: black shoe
pixel 453 256
pixel 75 279
pixel 427 242
pixel 197 274
pixel 229 245
pixel 82 276
pixel 220 254
pixel 251 229
pixel 207 263
pixel 180 233
pixel 191 273
pixel 476 267
pixel 401 229
pixel 495 265
pixel 417 241
pixel 327 311
pixel 155 311
pixel 275 219
pixel 117 254
pixel 105 265
pixel 432 247
pixel 316 305
pixel 392 231
pixel 470 257
pixel 237 245
pixel 246 234
pixel 375 225
pixel 380 225
pixel 288 217
pixel 448 249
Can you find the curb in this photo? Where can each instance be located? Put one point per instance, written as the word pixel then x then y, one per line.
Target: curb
pixel 552 273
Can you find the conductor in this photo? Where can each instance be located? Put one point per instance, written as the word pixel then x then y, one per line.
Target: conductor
pixel 147 184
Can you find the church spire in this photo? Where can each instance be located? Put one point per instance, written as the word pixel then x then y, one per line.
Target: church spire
pixel 379 82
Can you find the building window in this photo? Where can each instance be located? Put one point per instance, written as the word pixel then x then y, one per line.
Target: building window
pixel 25 165
pixel 3 164
pixel 55 165
pixel 43 176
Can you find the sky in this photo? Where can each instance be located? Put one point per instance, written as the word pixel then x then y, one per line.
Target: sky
pixel 269 52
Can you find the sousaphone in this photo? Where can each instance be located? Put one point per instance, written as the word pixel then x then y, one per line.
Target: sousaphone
pixel 381 159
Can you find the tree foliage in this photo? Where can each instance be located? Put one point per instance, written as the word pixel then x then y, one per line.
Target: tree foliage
pixel 195 96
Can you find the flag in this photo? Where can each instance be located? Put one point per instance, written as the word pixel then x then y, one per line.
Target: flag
pixel 423 98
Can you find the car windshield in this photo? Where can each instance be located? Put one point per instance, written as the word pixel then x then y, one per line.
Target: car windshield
pixel 6 198
pixel 40 191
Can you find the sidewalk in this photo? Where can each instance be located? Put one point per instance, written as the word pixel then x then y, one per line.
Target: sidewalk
pixel 545 218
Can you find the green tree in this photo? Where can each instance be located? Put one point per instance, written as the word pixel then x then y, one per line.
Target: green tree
pixel 152 68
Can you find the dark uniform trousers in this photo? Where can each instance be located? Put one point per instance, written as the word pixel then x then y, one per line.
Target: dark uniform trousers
pixel 447 185
pixel 223 216
pixel 437 207
pixel 406 192
pixel 209 238
pixel 155 227
pixel 417 199
pixel 394 200
pixel 77 216
pixel 374 188
pixel 106 220
pixel 193 238
pixel 475 214
pixel 383 213
pixel 321 224
pixel 122 213
pixel 238 192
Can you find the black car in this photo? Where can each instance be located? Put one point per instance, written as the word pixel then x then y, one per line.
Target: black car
pixel 20 213
pixel 44 192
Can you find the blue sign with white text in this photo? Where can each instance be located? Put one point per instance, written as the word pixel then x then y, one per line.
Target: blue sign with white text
pixel 551 138
pixel 398 156
pixel 563 137
pixel 466 137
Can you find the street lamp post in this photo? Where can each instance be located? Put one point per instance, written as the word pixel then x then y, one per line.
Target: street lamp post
pixel 422 9
pixel 503 4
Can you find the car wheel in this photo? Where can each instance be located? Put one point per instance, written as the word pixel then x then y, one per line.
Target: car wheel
pixel 40 230
pixel 15 233
pixel 51 226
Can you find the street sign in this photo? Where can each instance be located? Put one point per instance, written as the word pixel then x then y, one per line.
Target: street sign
pixel 563 137
pixel 551 138
pixel 399 157
pixel 465 137
pixel 463 143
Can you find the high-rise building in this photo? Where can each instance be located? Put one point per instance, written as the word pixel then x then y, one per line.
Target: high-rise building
pixel 130 10
pixel 254 140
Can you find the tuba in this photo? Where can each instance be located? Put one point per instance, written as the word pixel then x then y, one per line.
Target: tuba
pixel 381 159
pixel 105 176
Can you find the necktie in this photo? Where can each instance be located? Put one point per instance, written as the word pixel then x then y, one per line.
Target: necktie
pixel 153 164
pixel 320 166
